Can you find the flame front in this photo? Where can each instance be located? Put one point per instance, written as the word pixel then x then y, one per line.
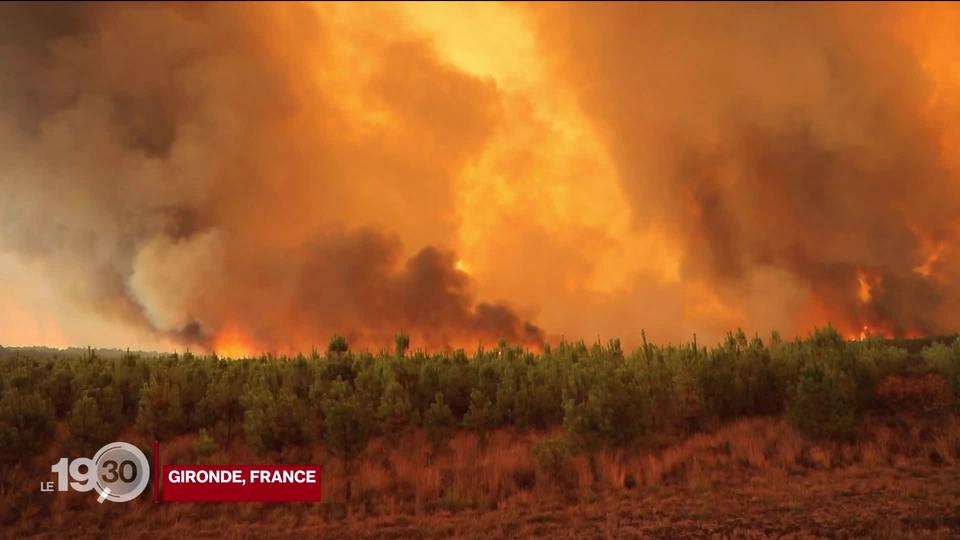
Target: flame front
pixel 232 343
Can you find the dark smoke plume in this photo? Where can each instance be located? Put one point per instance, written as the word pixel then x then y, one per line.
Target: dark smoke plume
pixel 195 168
pixel 793 138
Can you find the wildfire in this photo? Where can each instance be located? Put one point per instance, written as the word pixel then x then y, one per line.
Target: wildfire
pixel 934 253
pixel 882 330
pixel 865 332
pixel 931 248
pixel 863 289
pixel 232 343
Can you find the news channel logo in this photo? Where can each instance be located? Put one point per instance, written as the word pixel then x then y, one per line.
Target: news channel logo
pixel 118 472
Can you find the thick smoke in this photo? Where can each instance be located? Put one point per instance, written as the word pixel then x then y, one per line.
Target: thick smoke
pixel 802 139
pixel 272 174
pixel 195 168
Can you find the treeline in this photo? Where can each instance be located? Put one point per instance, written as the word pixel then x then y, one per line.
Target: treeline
pixel 602 396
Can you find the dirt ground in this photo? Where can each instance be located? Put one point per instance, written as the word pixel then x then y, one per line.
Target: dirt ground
pixel 921 501
pixel 911 500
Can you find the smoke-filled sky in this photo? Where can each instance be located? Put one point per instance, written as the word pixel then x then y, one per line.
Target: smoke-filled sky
pixel 252 177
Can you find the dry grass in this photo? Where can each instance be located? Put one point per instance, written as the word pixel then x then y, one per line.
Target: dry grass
pixel 928 392
pixel 405 483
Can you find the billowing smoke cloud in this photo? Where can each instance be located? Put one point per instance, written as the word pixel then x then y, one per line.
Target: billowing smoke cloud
pixel 200 168
pixel 355 277
pixel 803 139
pixel 267 175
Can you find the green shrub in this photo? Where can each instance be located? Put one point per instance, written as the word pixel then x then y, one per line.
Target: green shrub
pixel 160 411
pixel 601 394
pixel 205 446
pixel 439 420
pixel 220 409
pixel 348 423
pixel 823 405
pixel 402 342
pixel 273 419
pixel 553 456
pixel 338 345
pixel 945 360
pixel 26 424
pixel 89 429
pixel 396 412
pixel 481 417
pixel 607 405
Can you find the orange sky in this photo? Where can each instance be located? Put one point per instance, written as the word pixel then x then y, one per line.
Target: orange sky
pixel 260 177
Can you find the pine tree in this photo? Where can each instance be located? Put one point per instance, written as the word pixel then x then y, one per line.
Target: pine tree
pixel 338 346
pixel 88 428
pixel 160 411
pixel 27 423
pixel 348 425
pixel 257 429
pixel 403 343
pixel 395 412
pixel 220 407
pixel 481 417
pixel 439 421
pixel 289 417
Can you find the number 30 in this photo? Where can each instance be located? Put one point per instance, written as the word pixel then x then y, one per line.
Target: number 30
pixel 126 471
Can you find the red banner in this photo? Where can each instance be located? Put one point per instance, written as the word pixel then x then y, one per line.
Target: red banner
pixel 241 483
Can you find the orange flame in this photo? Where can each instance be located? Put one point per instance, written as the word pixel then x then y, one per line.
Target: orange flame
pixel 231 342
pixel 864 288
pixel 880 329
